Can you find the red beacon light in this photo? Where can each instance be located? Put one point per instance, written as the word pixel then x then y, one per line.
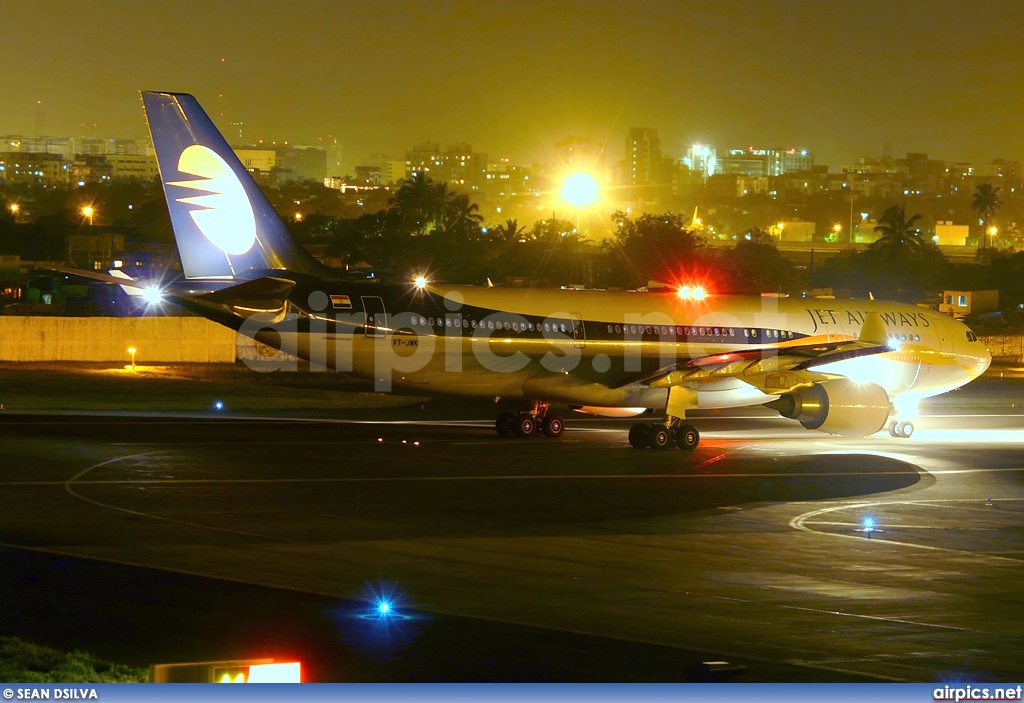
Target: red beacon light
pixel 691 293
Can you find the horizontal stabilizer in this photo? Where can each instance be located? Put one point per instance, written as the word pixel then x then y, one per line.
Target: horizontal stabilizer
pixel 267 293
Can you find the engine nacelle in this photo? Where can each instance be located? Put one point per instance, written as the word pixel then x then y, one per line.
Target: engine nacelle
pixel 608 412
pixel 837 406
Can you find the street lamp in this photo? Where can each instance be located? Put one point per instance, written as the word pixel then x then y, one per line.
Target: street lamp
pixel 132 350
pixel 992 232
pixel 88 211
pixel 580 189
pixel 14 208
pixel 838 229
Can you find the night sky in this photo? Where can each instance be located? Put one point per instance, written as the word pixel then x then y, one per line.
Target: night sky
pixel 512 78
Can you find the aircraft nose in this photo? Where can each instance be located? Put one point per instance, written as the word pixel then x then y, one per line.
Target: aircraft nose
pixel 985 361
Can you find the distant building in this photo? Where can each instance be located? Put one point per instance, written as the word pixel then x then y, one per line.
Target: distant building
pixel 304 162
pixel 133 166
pixel 459 165
pixel 1001 168
pixel 260 160
pixel 505 178
pixel 960 303
pixel 38 168
pixel 702 159
pixel 368 175
pixel 95 250
pixel 392 170
pixel 948 234
pixel 579 153
pixel 643 157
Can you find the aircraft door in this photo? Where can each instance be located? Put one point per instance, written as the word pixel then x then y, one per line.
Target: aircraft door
pixel 376 316
pixel 579 332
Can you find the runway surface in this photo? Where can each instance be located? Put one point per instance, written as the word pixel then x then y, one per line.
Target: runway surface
pixel 630 565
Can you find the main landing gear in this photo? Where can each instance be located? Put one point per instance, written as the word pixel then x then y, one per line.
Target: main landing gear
pixel 901 428
pixel 646 435
pixel 534 422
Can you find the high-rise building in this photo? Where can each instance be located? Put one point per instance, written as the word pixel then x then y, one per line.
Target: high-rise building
pixel 643 156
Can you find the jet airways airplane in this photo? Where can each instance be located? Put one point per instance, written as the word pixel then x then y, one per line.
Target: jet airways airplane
pixel 847 367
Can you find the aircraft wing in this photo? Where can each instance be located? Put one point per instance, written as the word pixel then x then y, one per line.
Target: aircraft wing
pixel 778 367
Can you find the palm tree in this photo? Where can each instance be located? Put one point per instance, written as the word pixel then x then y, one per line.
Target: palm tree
pixel 509 232
pixel 899 234
pixel 421 203
pixel 459 216
pixel 986 202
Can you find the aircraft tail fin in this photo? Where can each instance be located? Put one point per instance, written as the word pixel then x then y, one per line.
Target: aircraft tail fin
pixel 224 226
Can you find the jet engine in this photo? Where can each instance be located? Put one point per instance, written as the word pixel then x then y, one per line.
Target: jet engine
pixel 837 406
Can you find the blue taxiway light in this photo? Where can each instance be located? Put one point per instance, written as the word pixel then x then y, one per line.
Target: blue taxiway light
pixel 383 608
pixel 218 405
pixel 869 524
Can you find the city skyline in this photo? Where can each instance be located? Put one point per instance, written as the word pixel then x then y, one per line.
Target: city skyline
pixel 514 80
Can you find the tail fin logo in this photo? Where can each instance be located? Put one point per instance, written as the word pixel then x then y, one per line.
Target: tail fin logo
pixel 222 211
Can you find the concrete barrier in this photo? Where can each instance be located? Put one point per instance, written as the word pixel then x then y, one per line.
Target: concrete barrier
pixel 156 339
pixel 1005 347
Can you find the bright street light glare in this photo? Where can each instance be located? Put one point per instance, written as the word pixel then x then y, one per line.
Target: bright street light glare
pixel 580 189
pixel 420 282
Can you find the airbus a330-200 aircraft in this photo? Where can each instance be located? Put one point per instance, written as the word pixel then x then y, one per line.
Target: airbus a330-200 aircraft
pixel 847 367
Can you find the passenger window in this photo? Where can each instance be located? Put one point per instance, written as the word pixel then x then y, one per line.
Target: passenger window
pixel 618 329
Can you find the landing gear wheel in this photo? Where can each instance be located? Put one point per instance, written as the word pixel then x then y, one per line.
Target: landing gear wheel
pixel 905 429
pixel 525 425
pixel 660 437
pixel 505 424
pixel 639 436
pixel 553 426
pixel 687 438
pixel 894 428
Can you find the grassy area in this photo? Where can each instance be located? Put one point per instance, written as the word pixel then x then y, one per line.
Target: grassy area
pixel 78 387
pixel 23 662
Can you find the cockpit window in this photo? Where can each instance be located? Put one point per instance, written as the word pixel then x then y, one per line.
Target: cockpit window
pixel 971 337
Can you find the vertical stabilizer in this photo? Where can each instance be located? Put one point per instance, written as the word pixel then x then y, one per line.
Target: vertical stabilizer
pixel 224 226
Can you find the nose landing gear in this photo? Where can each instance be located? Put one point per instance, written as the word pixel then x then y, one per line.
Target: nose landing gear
pixel 645 435
pixel 534 422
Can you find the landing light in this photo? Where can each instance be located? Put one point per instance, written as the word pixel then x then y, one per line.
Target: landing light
pixel 420 282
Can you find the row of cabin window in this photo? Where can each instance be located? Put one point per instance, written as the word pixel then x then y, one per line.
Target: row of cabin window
pixel 905 337
pixel 696 331
pixel 515 326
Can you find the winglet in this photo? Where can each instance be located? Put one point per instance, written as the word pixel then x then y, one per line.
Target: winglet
pixel 873 330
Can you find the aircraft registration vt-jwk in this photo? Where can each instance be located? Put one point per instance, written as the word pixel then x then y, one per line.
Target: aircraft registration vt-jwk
pixel 845 367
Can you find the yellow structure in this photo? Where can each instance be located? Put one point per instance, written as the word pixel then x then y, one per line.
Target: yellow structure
pixel 156 339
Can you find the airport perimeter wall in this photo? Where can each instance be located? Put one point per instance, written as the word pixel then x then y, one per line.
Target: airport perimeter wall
pixel 156 339
pixel 1005 347
pixel 195 340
